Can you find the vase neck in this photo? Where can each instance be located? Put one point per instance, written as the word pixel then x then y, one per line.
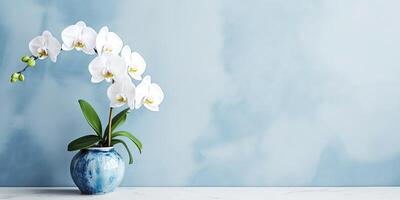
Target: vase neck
pixel 100 148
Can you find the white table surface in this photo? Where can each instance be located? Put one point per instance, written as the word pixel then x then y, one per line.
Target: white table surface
pixel 209 193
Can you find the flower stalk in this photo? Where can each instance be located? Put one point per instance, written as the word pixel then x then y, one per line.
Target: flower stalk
pixel 109 127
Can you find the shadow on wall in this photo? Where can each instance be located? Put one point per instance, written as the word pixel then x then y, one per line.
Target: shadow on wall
pixel 23 162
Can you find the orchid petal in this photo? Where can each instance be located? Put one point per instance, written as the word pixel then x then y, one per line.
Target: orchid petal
pixel 81 24
pixel 112 64
pixel 68 36
pixel 139 64
pixel 66 47
pixel 108 42
pixel 96 79
pixel 148 94
pixel 54 48
pixel 101 39
pixel 124 89
pixel 126 53
pixel 96 67
pixel 138 60
pixel 131 93
pixel 135 76
pixel 89 38
pixel 52 45
pixel 79 36
pixel 156 93
pixel 112 92
pixel 152 108
pixel 142 91
pixel 115 41
pixel 46 35
pixel 44 46
pixel 35 44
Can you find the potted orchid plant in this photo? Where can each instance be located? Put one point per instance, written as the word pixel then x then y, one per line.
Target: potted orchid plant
pixel 97 168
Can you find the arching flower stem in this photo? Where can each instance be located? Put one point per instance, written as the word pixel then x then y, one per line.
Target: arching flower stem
pixel 26 66
pixel 35 58
pixel 109 127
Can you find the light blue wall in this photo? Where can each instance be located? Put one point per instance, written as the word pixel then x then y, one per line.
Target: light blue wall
pixel 257 92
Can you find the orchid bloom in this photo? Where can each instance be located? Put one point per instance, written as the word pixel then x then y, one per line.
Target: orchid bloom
pixel 80 37
pixel 45 46
pixel 107 67
pixel 121 92
pixel 134 62
pixel 148 94
pixel 108 42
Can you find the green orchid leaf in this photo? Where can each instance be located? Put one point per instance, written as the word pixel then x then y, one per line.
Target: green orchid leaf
pixel 91 116
pixel 131 137
pixel 117 120
pixel 83 142
pixel 116 141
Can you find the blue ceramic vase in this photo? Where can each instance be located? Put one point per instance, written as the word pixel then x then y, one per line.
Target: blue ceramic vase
pixel 97 170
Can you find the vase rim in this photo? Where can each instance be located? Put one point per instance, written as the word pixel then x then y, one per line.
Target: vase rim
pixel 100 148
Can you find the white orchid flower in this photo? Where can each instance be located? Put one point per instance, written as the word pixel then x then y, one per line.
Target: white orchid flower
pixel 108 42
pixel 148 94
pixel 121 92
pixel 80 37
pixel 134 62
pixel 45 46
pixel 107 67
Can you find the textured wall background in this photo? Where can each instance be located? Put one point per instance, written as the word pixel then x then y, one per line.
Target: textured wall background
pixel 257 92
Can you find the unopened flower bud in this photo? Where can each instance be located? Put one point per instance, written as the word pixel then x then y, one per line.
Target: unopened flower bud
pixel 31 62
pixel 15 75
pixel 25 58
pixel 21 77
pixel 13 80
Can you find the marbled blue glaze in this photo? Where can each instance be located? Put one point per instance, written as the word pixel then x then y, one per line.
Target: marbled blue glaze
pixel 97 170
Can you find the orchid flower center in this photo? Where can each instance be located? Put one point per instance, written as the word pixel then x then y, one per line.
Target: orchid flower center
pixel 107 74
pixel 132 69
pixel 79 44
pixel 107 49
pixel 121 99
pixel 42 53
pixel 148 101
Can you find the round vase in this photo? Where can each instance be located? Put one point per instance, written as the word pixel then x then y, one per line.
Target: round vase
pixel 97 170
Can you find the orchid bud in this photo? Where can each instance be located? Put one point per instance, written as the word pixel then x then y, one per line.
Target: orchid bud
pixel 25 59
pixel 15 75
pixel 31 62
pixel 13 80
pixel 21 77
